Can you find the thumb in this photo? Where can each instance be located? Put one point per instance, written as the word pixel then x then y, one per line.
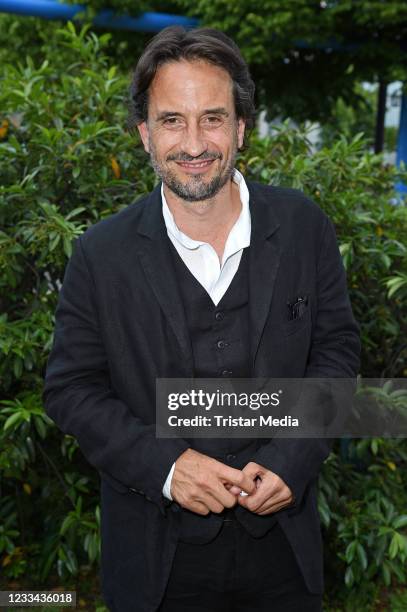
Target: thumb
pixel 235 490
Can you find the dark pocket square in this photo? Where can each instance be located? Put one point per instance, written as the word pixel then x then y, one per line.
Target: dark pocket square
pixel 297 308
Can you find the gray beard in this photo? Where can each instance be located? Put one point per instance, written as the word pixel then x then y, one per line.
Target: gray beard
pixel 198 190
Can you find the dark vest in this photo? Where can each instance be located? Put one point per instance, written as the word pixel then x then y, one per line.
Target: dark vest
pixel 221 348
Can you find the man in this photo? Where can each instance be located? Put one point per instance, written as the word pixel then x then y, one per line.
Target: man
pixel 204 277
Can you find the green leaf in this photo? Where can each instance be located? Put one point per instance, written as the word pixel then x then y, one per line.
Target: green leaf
pixel 400 521
pixel 362 556
pixel 67 246
pixel 40 427
pixel 75 212
pixel 349 577
pixel 394 546
pixel 350 551
pixel 71 562
pixel 18 367
pixel 54 243
pixel 66 524
pixel 13 420
pixel 386 574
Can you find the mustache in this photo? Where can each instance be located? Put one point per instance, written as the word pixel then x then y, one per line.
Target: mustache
pixel 184 157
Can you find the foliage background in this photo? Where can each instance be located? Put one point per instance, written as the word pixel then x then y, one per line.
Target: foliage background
pixel 66 161
pixel 304 55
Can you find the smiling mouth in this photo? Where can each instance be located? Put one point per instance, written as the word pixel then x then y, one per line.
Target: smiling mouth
pixel 202 165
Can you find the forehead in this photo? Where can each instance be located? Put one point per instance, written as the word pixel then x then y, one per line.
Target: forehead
pixel 190 85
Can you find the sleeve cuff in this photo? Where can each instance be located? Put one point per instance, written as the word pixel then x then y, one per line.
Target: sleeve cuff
pixel 167 484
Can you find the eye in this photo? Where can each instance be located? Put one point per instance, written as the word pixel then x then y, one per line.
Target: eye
pixel 172 121
pixel 212 120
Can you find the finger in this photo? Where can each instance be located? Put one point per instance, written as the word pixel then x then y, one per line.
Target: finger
pixel 237 478
pixel 274 506
pixel 198 508
pixel 277 494
pixel 254 501
pixel 272 509
pixel 223 496
pixel 213 503
pixel 235 490
pixel 232 488
pixel 267 491
pixel 253 469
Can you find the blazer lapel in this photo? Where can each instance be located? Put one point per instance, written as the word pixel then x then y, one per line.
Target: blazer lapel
pixel 264 261
pixel 155 258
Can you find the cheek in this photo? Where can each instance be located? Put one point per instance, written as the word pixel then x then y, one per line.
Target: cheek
pixel 166 143
pixel 170 138
pixel 222 141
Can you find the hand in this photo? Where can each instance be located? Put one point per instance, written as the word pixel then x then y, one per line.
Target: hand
pixel 198 483
pixel 270 495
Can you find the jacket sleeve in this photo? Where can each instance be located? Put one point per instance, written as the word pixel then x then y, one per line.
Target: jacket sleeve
pixel 334 353
pixel 78 396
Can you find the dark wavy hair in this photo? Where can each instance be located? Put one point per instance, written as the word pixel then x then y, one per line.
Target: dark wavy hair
pixel 176 43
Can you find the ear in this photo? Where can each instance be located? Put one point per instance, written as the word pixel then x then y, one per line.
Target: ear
pixel 143 131
pixel 241 125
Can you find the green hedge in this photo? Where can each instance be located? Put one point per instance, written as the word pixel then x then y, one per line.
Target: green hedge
pixel 66 161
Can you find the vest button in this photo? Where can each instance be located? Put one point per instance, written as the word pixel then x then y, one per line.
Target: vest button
pixel 219 315
pixel 226 373
pixel 221 344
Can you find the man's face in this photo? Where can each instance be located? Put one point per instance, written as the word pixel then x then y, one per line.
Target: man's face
pixel 192 133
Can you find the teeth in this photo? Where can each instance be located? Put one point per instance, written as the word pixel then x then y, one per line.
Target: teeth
pixel 196 165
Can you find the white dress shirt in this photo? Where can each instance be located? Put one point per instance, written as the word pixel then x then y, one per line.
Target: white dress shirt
pixel 203 261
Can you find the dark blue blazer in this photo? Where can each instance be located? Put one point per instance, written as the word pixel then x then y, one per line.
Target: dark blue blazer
pixel 120 324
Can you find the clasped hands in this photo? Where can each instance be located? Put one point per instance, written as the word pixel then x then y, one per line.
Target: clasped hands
pixel 203 484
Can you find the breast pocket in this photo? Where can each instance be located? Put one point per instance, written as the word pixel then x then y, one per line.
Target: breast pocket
pixel 292 326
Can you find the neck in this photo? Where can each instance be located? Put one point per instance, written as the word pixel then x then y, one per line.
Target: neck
pixel 207 220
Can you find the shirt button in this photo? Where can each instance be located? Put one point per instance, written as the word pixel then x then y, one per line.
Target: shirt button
pixel 226 373
pixel 221 344
pixel 219 316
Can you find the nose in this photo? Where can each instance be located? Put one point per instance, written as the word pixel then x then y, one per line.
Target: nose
pixel 193 141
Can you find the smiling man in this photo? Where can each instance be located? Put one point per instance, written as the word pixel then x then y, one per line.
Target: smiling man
pixel 208 276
